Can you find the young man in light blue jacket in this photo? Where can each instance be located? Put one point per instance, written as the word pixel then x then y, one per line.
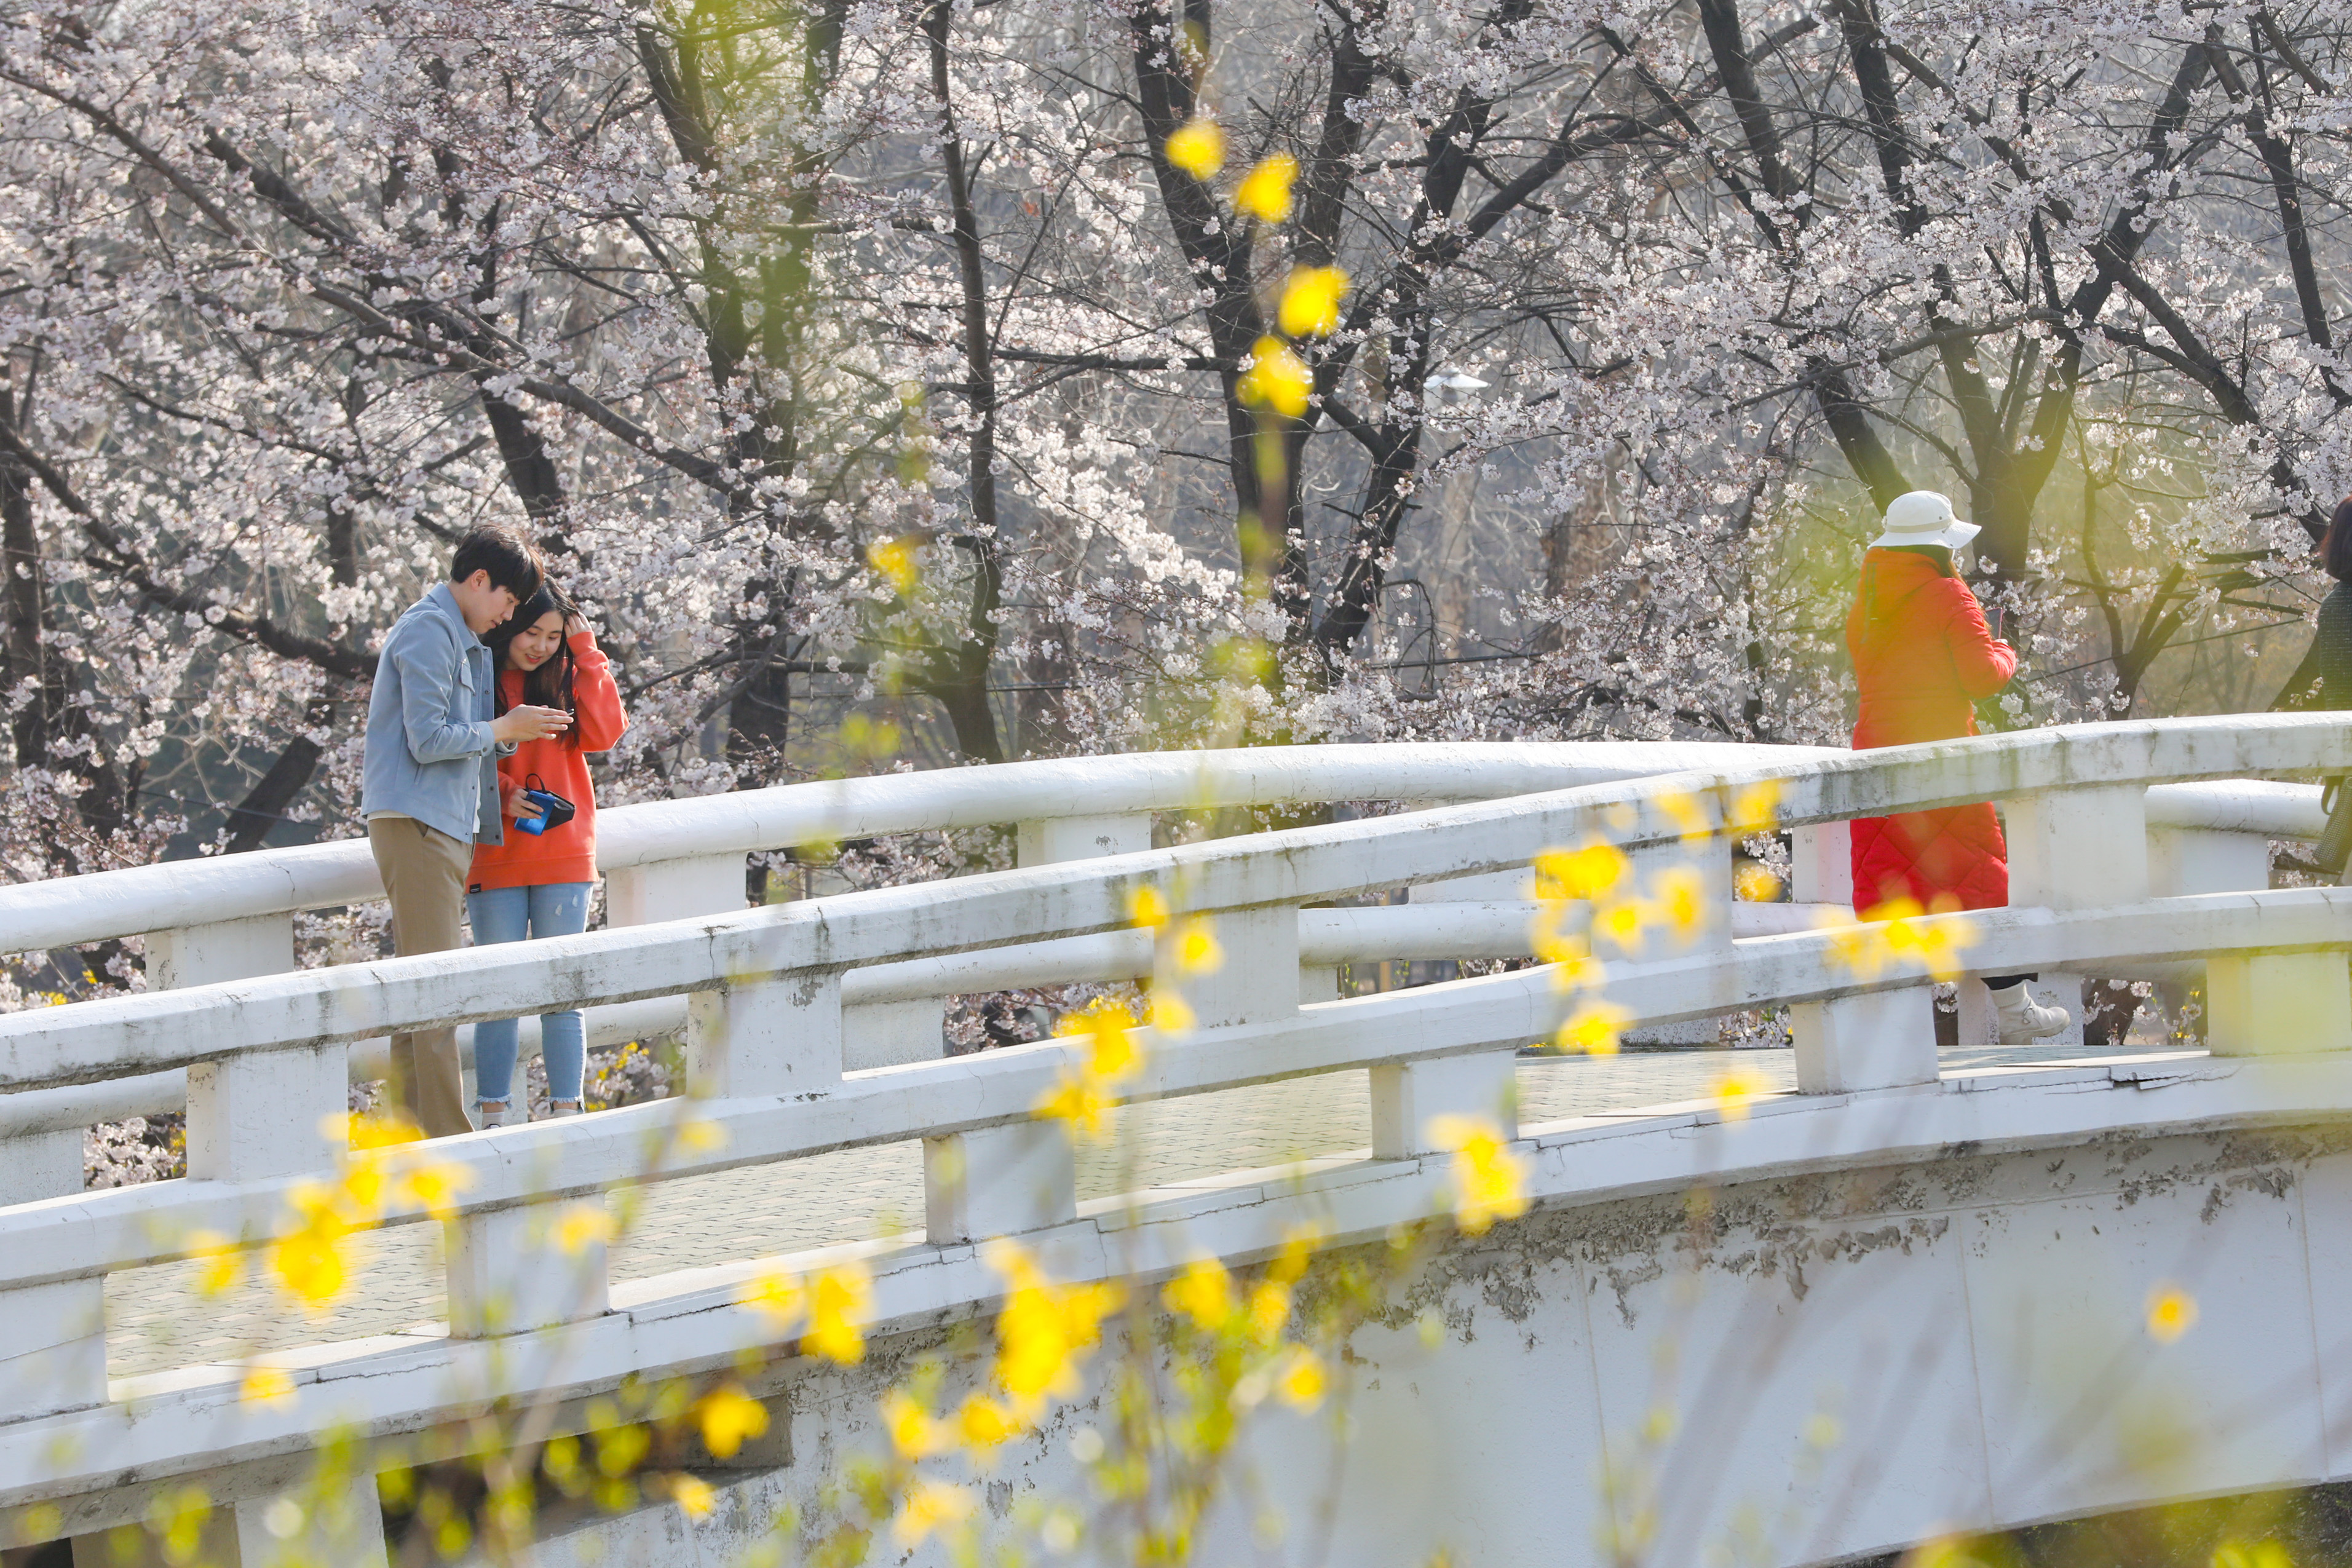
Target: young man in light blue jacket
pixel 430 788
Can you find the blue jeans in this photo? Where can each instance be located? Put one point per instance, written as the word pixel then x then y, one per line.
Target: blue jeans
pixel 511 914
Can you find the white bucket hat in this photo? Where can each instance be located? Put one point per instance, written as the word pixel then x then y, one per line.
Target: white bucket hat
pixel 1923 517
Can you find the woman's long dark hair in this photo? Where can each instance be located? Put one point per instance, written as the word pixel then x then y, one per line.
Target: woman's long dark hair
pixel 2336 545
pixel 549 686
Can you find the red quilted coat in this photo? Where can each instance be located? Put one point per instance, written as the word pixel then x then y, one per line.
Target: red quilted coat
pixel 1922 652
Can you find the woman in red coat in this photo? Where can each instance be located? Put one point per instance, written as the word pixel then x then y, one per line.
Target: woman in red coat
pixel 1922 654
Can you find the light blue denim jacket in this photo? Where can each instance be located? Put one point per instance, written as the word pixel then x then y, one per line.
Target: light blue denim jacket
pixel 430 751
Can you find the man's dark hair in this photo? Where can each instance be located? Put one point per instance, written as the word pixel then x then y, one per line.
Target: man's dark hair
pixel 510 559
pixel 2336 544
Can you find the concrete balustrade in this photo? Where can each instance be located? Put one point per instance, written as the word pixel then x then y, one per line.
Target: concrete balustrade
pixel 763 993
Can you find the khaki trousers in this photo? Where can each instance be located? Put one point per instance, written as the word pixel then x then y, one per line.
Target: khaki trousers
pixel 424 872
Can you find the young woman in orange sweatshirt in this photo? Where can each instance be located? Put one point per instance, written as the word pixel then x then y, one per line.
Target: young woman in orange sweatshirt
pixel 536 883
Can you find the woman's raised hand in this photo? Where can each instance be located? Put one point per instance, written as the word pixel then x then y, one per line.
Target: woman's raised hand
pixel 576 625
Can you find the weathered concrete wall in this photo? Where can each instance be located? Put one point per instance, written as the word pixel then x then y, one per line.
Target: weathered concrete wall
pixel 1783 1372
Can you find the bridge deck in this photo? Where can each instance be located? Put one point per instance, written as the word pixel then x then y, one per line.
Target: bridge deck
pixel 157 1322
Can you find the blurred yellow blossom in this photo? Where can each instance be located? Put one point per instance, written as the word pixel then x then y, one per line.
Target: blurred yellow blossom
pixel 1687 813
pixel 1311 302
pixel 931 1505
pixel 1044 1329
pixel 693 1496
pixel 894 560
pixel 267 1386
pixel 223 1263
pixel 1276 378
pixel 1198 147
pixel 728 1418
pixel 1170 1014
pixel 1264 191
pixel 1203 1292
pixel 1735 1087
pixel 1147 909
pixel 1586 873
pixel 1592 1029
pixel 1197 951
pixel 2171 1312
pixel 776 1296
pixel 1756 882
pixel 1489 1176
pixel 1679 897
pixel 1302 1379
pixel 579 1226
pixel 1755 808
pixel 840 1299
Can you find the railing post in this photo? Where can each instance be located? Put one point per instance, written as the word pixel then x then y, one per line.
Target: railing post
pixel 1873 1039
pixel 528 1266
pixel 1406 1096
pixel 267 1113
pixel 998 1180
pixel 674 889
pixel 2185 860
pixel 2277 1004
pixel 765 1034
pixel 1259 981
pixel 224 950
pixel 259 1113
pixel 54 1358
pixel 37 1165
pixel 2077 848
pixel 1821 864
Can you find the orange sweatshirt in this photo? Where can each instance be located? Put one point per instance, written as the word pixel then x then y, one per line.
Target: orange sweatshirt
pixel 565 854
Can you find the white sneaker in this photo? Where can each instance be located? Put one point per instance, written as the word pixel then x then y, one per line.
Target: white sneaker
pixel 561 1108
pixel 2021 1020
pixel 509 1115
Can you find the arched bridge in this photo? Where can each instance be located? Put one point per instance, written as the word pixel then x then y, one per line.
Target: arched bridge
pixel 1852 1295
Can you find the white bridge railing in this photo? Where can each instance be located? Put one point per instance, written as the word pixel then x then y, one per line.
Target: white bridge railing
pixel 2109 877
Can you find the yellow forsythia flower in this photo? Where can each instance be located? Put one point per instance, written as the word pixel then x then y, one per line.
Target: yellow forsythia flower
pixel 912 1431
pixel 223 1263
pixel 894 559
pixel 434 1187
pixel 2171 1312
pixel 730 1418
pixel 775 1296
pixel 1302 1380
pixel 929 1506
pixel 1198 147
pixel 841 1298
pixel 581 1226
pixel 1311 302
pixel 1197 951
pixel 1203 1292
pixel 1489 1178
pixel 1735 1088
pixel 1076 1100
pixel 982 1423
pixel 1264 191
pixel 1044 1329
pixel 694 1498
pixel 1687 813
pixel 1146 909
pixel 1755 809
pixel 1592 1029
pixel 1276 378
pixel 1586 873
pixel 1680 900
pixel 1170 1014
pixel 269 1386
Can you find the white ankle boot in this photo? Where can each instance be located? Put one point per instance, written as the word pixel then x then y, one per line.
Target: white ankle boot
pixel 2023 1020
